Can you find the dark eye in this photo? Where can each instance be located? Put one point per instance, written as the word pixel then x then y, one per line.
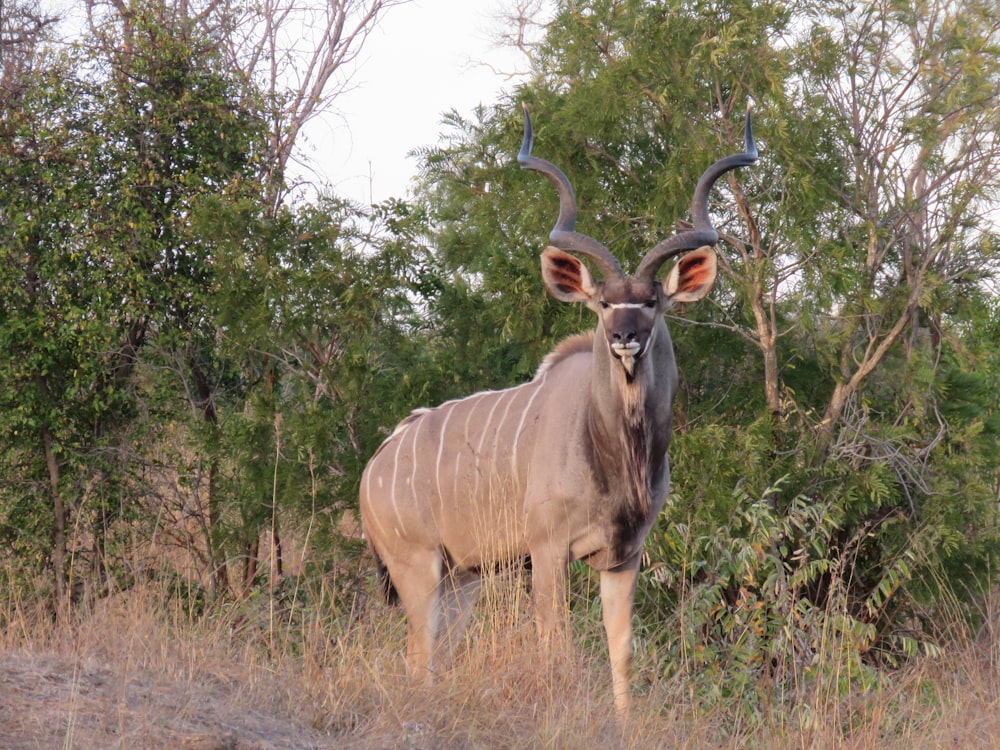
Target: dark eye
pixel 651 303
pixel 604 305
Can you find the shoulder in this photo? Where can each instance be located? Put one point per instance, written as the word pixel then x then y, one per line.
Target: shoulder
pixel 579 344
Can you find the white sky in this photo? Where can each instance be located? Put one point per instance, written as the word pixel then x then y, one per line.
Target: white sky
pixel 424 58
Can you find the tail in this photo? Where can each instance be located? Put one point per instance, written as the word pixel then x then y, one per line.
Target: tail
pixel 388 590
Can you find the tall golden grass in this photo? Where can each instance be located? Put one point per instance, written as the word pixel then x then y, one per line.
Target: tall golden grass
pixel 143 669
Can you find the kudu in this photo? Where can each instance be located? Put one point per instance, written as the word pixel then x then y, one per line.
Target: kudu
pixel 569 466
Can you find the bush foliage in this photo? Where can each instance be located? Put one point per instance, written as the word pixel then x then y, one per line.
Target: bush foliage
pixel 197 372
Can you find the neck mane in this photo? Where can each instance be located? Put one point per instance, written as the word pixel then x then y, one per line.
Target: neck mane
pixel 620 439
pixel 620 432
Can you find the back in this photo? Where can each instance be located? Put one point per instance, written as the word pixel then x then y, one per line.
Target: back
pixel 457 475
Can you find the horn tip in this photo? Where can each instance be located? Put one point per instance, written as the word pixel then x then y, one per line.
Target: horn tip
pixel 525 153
pixel 750 147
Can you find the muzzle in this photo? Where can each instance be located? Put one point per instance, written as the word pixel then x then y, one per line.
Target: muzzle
pixel 627 353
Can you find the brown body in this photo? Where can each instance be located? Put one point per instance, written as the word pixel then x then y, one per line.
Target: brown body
pixel 569 466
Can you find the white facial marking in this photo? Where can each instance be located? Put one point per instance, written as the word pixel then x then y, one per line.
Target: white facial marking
pixel 627 350
pixel 626 354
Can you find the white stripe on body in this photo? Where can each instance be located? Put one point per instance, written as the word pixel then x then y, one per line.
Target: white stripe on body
pixel 458 464
pixel 520 425
pixel 397 493
pixel 375 514
pixel 482 439
pixel 440 452
pixel 511 396
pixel 395 476
pixel 413 460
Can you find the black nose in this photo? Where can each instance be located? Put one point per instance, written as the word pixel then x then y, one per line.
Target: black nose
pixel 625 338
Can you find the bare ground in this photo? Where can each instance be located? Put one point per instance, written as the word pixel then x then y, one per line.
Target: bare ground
pixel 51 701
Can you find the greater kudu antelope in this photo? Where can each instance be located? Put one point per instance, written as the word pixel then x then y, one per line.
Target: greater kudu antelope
pixel 569 466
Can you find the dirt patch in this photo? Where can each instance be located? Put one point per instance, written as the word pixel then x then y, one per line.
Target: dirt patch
pixel 49 701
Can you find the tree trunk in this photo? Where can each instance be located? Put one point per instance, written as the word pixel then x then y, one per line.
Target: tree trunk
pixel 206 405
pixel 844 388
pixel 251 555
pixel 217 561
pixel 60 519
pixel 767 340
pixel 277 564
pixel 762 303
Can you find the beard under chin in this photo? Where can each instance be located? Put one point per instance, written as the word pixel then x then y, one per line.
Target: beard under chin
pixel 628 364
pixel 628 358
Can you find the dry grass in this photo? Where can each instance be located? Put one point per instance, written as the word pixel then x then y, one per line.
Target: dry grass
pixel 132 672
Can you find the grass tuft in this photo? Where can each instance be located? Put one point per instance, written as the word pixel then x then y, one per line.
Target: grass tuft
pixel 303 670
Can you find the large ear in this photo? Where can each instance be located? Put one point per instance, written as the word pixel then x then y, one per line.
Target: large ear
pixel 692 277
pixel 565 276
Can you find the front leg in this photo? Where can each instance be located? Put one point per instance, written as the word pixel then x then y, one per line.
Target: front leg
pixel 548 584
pixel 617 597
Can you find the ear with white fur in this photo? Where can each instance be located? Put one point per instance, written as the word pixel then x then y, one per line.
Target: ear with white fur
pixel 566 277
pixel 692 277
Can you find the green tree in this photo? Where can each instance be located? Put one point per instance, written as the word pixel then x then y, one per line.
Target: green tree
pixel 103 161
pixel 851 301
pixel 143 162
pixel 317 348
pixel 291 60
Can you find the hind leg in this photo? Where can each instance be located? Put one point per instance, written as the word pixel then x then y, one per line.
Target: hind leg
pixel 416 574
pixel 459 592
